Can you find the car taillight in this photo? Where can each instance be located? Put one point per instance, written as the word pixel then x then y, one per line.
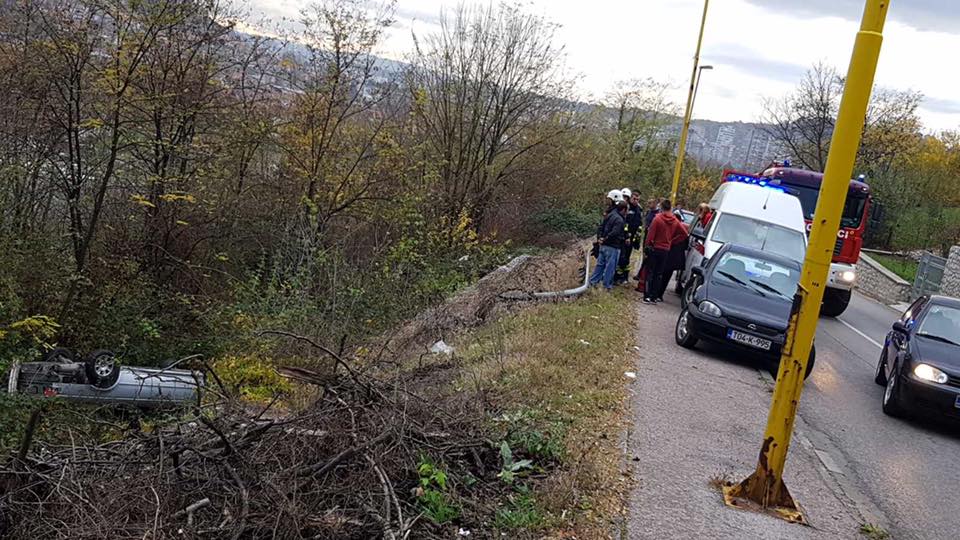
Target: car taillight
pixel 699 247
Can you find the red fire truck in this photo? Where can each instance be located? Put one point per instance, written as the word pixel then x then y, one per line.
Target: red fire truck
pixel 805 185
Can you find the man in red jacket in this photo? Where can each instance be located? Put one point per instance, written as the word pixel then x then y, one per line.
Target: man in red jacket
pixel 665 231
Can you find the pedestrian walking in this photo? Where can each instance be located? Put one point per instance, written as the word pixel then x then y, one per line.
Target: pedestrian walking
pixel 610 239
pixel 659 240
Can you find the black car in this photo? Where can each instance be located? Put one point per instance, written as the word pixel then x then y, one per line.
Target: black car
pixel 920 361
pixel 744 302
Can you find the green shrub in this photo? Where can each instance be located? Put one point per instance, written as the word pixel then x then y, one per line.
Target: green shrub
pixel 433 496
pixel 520 512
pixel 253 378
pixel 569 220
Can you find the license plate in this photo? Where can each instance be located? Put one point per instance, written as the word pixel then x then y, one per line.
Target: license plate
pixel 752 341
pixel 957 402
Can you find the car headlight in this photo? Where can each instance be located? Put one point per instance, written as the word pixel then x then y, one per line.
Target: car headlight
pixel 848 275
pixel 709 308
pixel 930 373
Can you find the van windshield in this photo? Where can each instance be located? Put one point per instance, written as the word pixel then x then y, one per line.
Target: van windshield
pixel 744 231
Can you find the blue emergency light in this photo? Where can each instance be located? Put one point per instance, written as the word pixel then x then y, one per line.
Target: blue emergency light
pixel 762 182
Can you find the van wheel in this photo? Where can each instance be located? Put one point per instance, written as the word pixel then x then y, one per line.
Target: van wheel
pixel 835 302
pixel 691 287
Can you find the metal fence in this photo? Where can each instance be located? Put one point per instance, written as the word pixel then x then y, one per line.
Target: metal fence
pixel 929 275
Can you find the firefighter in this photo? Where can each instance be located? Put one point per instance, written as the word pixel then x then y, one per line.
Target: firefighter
pixel 610 241
pixel 632 223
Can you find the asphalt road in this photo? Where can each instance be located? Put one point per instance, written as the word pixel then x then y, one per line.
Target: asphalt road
pixel 700 413
pixel 908 469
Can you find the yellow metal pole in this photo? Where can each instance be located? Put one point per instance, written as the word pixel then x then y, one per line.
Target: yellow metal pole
pixel 682 148
pixel 765 486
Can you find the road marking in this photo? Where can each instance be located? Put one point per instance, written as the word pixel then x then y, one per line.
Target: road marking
pixel 861 334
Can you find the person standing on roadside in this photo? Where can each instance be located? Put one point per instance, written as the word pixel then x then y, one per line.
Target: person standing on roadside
pixel 659 240
pixel 611 239
pixel 704 215
pixel 648 217
pixel 633 219
pixel 675 257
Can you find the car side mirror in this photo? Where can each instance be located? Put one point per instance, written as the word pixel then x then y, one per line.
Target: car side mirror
pixel 900 327
pixel 697 271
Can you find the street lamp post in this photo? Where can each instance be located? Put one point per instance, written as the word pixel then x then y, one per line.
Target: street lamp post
pixel 696 88
pixel 682 147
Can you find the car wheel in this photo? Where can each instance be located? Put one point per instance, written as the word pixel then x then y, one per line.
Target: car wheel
pixel 102 369
pixel 686 334
pixel 891 394
pixel 691 287
pixel 881 376
pixel 59 355
pixel 811 361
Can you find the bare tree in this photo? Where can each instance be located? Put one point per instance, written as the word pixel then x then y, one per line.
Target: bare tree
pixel 802 122
pixel 479 87
pixel 331 135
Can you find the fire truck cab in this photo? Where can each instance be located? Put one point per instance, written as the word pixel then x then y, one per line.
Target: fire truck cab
pixel 853 223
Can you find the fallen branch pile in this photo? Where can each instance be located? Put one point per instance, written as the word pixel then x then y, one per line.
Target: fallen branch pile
pixel 343 468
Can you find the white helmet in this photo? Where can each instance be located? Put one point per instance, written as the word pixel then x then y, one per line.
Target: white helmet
pixel 615 195
pixel 626 193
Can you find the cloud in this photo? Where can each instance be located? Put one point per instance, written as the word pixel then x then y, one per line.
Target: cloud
pixel 748 61
pixel 937 15
pixel 942 106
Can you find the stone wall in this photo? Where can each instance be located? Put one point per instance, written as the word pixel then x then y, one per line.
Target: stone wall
pixel 873 279
pixel 950 286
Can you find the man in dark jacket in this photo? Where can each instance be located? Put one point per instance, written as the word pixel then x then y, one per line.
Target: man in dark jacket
pixel 611 238
pixel 633 219
pixel 660 238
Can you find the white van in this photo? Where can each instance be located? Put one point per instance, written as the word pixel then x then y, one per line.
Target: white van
pixel 760 217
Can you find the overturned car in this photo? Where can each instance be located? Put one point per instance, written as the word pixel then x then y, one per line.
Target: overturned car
pixel 99 378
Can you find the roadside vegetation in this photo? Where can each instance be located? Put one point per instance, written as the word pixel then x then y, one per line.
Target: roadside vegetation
pixel 901 266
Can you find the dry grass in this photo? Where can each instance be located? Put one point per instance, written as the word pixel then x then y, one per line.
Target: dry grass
pixel 561 366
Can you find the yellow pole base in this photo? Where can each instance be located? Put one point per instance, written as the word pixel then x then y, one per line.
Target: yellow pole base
pixel 777 500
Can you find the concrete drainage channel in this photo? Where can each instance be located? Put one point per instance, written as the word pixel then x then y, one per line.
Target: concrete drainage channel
pixel 566 293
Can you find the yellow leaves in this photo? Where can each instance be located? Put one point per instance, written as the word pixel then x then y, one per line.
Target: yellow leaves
pixel 178 196
pixel 182 223
pixel 142 201
pixel 91 123
pixel 39 328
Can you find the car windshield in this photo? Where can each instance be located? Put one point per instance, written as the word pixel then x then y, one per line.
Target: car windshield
pixel 941 322
pixel 760 235
pixel 852 210
pixel 760 275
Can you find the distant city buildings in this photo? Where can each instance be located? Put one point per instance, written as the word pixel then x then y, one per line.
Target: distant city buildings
pixel 730 144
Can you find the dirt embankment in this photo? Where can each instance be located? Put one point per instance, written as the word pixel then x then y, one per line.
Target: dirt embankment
pixel 488 298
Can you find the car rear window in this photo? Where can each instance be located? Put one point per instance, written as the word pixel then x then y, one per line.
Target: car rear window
pixel 744 231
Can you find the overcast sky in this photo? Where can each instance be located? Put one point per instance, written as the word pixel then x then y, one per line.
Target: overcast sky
pixel 757 47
